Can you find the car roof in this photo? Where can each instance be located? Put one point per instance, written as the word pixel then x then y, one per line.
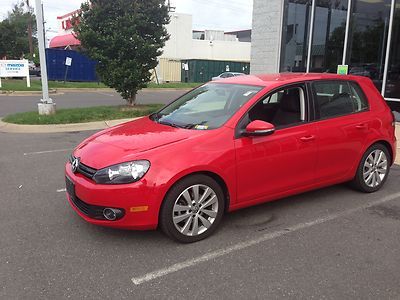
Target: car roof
pixel 285 78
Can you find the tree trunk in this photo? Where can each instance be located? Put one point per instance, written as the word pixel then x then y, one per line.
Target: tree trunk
pixel 132 100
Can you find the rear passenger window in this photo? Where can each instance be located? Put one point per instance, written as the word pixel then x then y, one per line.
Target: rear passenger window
pixel 359 100
pixel 338 98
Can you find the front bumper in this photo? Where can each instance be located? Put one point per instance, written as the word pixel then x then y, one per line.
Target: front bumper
pixel 128 197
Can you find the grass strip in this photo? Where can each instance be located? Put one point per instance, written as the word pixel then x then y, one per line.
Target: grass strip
pixel 83 115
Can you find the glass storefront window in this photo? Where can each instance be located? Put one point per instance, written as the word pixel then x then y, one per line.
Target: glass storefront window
pixel 368 39
pixel 297 15
pixel 393 81
pixel 328 36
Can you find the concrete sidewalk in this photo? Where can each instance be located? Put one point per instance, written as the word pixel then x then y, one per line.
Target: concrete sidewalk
pixel 16 128
pixel 60 91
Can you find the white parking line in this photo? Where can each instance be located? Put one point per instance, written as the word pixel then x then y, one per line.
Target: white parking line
pixel 48 151
pixel 243 245
pixel 61 190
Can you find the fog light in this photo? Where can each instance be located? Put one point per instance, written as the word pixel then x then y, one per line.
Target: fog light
pixel 112 214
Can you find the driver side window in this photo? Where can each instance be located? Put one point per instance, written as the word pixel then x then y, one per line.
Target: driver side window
pixel 282 108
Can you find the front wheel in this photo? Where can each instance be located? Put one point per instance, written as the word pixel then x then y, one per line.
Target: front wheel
pixel 192 209
pixel 373 169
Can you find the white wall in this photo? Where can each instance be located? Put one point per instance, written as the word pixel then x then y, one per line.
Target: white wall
pixel 221 50
pixel 181 44
pixel 180 30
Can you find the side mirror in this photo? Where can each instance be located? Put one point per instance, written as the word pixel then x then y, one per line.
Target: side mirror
pixel 259 128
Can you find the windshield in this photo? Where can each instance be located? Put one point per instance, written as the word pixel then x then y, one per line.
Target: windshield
pixel 207 107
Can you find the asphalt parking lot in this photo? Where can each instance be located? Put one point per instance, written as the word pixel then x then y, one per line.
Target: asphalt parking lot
pixel 334 243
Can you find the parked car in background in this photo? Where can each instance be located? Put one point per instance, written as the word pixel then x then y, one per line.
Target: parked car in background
pixel 227 75
pixel 232 144
pixel 367 70
pixel 33 69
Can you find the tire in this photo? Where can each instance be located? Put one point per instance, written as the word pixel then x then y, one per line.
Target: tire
pixel 373 169
pixel 188 218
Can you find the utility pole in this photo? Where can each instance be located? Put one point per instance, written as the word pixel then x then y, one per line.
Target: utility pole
pixel 47 106
pixel 44 28
pixel 30 28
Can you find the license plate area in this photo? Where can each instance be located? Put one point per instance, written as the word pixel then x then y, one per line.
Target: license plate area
pixel 70 187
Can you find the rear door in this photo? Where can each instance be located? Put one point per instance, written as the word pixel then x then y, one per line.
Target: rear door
pixel 342 119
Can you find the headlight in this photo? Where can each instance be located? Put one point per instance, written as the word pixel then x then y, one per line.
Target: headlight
pixel 122 173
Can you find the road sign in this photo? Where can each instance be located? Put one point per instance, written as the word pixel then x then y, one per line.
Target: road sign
pixel 68 61
pixel 343 69
pixel 15 68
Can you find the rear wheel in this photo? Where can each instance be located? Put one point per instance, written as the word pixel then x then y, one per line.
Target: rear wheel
pixel 373 169
pixel 192 209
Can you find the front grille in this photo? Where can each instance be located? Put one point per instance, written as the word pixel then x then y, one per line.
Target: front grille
pixel 86 171
pixel 92 211
pixel 83 169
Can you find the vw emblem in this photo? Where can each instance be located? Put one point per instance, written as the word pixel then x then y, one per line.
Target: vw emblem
pixel 75 164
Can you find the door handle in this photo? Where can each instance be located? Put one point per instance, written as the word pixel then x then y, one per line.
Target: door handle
pixel 362 126
pixel 308 138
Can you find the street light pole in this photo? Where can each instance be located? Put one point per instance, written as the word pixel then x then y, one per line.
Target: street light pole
pixel 44 27
pixel 46 107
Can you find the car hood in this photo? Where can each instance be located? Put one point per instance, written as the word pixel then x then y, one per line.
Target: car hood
pixel 129 141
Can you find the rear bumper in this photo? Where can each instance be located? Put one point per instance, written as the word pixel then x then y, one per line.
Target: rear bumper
pixel 128 197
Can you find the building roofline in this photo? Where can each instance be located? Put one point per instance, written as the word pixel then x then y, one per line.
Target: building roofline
pixel 69 14
pixel 235 31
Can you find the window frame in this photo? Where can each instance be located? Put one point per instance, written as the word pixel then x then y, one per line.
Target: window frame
pixel 308 107
pixel 316 108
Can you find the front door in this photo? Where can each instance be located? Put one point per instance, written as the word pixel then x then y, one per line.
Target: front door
pixel 283 161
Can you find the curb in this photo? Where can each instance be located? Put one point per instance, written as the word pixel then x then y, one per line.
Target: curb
pixel 57 128
pixel 27 93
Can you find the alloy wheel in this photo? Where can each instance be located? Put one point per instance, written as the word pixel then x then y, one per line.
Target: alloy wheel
pixel 195 210
pixel 375 168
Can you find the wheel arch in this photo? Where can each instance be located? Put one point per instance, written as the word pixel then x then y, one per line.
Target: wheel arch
pixel 218 178
pixel 387 145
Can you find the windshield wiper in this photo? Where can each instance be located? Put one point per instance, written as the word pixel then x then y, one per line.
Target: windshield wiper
pixel 170 124
pixel 155 117
pixel 191 126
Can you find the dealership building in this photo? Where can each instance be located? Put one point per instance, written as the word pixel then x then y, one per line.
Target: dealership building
pixel 188 55
pixel 319 35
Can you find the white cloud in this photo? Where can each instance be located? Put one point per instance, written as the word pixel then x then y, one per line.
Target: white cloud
pixel 207 14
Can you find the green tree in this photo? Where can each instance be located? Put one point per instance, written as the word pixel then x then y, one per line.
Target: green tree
pixel 126 37
pixel 14 42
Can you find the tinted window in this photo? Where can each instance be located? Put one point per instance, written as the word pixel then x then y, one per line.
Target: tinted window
pixel 359 101
pixel 337 98
pixel 282 108
pixel 393 80
pixel 328 37
pixel 296 22
pixel 368 37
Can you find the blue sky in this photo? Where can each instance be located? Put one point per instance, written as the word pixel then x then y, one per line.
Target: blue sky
pixel 207 14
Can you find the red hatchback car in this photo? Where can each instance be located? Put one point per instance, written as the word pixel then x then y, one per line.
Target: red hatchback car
pixel 232 144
